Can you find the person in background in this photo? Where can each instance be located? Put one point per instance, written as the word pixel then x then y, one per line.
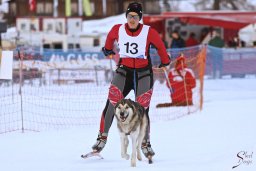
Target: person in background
pixel 216 54
pixel 191 41
pixel 182 81
pixel 177 41
pixel 134 71
pixel 234 42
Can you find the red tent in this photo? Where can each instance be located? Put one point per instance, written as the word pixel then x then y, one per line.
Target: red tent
pixel 230 21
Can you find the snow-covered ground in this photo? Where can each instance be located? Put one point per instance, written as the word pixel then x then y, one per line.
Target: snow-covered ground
pixel 209 140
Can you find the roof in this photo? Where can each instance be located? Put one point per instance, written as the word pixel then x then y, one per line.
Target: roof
pixel 225 19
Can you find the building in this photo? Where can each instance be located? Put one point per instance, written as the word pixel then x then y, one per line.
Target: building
pixel 87 9
pixel 58 23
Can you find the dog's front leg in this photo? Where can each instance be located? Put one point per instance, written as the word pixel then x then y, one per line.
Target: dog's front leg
pixel 139 142
pixel 124 145
pixel 134 149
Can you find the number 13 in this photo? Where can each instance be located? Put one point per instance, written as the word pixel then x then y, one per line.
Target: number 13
pixel 134 47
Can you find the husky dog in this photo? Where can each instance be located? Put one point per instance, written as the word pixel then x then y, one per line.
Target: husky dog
pixel 131 120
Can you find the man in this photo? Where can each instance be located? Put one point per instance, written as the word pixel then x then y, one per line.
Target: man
pixel 217 44
pixel 134 70
pixel 191 41
pixel 177 41
pixel 182 81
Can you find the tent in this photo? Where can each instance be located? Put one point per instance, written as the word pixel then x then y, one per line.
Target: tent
pixel 248 34
pixel 230 21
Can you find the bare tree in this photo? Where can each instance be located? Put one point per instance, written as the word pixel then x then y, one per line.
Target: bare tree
pixel 216 5
pixel 224 5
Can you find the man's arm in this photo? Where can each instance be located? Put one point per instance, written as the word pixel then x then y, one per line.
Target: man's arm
pixel 155 39
pixel 111 37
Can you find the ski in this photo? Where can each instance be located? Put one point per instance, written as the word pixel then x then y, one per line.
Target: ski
pixel 91 154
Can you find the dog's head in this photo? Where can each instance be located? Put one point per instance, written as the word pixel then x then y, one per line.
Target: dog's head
pixel 124 110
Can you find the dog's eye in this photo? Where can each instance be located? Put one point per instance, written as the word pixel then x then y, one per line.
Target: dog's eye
pixel 126 107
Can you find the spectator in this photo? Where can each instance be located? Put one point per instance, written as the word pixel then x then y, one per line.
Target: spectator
pixel 234 42
pixel 177 41
pixel 216 54
pixel 191 41
pixel 182 81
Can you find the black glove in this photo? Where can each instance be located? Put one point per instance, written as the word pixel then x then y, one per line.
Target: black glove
pixel 163 65
pixel 107 52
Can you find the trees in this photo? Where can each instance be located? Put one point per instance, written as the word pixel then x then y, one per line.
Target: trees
pixel 224 5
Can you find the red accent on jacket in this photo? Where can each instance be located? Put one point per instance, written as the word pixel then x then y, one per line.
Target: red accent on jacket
pixel 178 86
pixel 153 38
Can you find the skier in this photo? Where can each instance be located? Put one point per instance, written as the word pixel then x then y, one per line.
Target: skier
pixel 134 70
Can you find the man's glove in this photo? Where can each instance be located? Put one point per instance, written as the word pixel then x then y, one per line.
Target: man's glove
pixel 107 52
pixel 163 65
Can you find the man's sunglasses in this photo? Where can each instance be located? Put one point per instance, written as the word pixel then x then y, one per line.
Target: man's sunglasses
pixel 135 17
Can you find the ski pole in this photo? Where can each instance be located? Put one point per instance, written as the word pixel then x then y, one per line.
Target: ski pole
pixel 168 81
pixel 185 87
pixel 111 68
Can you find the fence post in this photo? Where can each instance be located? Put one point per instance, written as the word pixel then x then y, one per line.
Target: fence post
pixel 20 88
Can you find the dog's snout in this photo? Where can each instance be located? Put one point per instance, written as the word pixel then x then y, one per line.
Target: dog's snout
pixel 121 113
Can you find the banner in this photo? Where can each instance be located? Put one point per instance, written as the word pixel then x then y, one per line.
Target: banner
pixel 68 7
pixel 6 60
pixel 87 8
pixel 32 5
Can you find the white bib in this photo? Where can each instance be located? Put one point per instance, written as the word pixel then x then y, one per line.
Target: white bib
pixel 133 47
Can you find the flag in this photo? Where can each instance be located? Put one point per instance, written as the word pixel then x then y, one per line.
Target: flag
pixel 55 8
pixel 87 8
pixel 32 5
pixel 68 8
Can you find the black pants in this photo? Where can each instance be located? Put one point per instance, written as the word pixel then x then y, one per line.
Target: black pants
pixel 127 79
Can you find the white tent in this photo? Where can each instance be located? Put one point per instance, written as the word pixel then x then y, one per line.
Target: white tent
pixel 102 26
pixel 248 34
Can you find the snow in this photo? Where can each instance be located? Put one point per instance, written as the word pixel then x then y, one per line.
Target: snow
pixel 104 25
pixel 208 140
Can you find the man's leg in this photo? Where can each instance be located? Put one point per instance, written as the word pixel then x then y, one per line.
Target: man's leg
pixel 117 91
pixel 143 96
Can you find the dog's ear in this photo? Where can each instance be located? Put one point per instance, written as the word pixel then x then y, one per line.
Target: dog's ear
pixel 129 101
pixel 132 104
pixel 117 104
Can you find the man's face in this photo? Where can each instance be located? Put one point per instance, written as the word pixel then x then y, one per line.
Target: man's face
pixel 133 20
pixel 175 35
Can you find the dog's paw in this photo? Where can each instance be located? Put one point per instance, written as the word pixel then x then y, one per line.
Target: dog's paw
pixel 139 157
pixel 125 156
pixel 133 163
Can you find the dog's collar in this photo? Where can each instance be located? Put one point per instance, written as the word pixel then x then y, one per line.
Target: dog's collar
pixel 128 133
